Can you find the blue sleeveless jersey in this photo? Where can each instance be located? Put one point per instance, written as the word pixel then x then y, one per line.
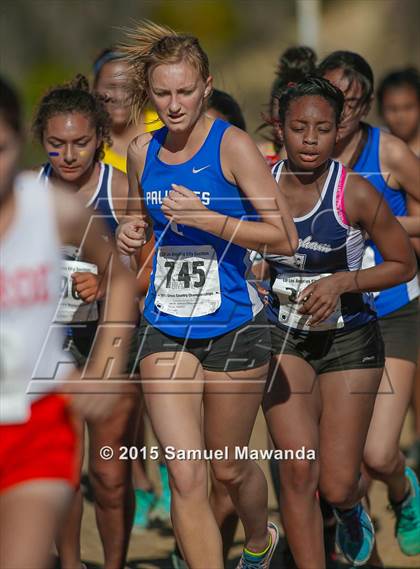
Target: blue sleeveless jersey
pixel 327 244
pixel 198 286
pixel 102 197
pixel 368 166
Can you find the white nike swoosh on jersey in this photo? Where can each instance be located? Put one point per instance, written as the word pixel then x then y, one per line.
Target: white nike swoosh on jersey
pixel 197 170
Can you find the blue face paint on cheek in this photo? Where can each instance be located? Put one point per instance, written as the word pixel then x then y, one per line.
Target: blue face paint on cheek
pixel 53 154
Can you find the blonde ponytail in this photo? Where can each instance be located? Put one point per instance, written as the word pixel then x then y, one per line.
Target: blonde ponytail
pixel 151 44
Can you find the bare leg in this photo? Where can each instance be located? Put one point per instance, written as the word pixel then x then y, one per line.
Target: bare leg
pixel 112 482
pixel 31 514
pixel 140 477
pixel 348 398
pixel 224 512
pixel 173 395
pixel 68 539
pixel 292 409
pixel 382 455
pixel 235 403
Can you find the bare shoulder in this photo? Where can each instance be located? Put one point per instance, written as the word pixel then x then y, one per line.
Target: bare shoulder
pixel 239 152
pixel 357 187
pixel 137 148
pixel 393 150
pixel 235 139
pixel 361 198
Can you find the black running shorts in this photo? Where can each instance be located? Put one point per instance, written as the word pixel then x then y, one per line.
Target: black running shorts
pixel 246 347
pixel 330 351
pixel 400 331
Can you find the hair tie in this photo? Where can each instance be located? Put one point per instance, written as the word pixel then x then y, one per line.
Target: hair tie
pixel 291 84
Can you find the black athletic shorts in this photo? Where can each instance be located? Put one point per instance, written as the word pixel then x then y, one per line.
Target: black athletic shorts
pixel 246 347
pixel 330 351
pixel 400 331
pixel 80 343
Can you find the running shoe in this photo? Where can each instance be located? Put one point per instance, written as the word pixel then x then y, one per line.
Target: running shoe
pixel 145 501
pixel 162 508
pixel 407 526
pixel 355 535
pixel 413 455
pixel 246 562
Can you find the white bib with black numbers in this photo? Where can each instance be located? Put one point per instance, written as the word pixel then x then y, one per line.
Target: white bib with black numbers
pixel 287 287
pixel 187 281
pixel 71 308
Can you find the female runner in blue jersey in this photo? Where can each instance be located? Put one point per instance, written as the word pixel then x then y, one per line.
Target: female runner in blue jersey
pixel 209 196
pixel 73 125
pixel 398 97
pixel 393 169
pixel 328 352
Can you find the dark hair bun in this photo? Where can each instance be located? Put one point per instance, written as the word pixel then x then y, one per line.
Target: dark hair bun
pixel 296 63
pixel 311 86
pixel 80 82
pixel 74 97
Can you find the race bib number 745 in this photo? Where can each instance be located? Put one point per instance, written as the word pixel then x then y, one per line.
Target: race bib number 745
pixel 187 281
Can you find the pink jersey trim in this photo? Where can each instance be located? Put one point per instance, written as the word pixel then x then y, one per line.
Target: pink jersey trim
pixel 340 197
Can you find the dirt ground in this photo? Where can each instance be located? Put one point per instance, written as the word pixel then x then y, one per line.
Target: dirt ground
pixel 151 549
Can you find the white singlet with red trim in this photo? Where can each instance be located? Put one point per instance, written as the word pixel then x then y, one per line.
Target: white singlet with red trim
pixel 30 346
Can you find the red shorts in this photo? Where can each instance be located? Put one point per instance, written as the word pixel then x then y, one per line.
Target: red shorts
pixel 45 447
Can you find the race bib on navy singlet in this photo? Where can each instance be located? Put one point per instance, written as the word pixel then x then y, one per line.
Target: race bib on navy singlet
pixel 71 308
pixel 187 281
pixel 287 288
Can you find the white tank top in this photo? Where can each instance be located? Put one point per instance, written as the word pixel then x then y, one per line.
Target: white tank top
pixel 32 358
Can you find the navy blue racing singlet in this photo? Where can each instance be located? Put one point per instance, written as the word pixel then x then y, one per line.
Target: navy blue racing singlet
pixel 327 244
pixel 102 197
pixel 72 310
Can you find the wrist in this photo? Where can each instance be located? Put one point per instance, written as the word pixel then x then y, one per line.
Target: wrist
pixel 208 221
pixel 345 281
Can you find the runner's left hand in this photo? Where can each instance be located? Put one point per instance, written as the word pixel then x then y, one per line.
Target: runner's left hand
pixel 183 206
pixel 319 299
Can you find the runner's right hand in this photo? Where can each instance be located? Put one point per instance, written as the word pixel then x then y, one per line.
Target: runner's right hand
pixel 131 235
pixel 87 286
